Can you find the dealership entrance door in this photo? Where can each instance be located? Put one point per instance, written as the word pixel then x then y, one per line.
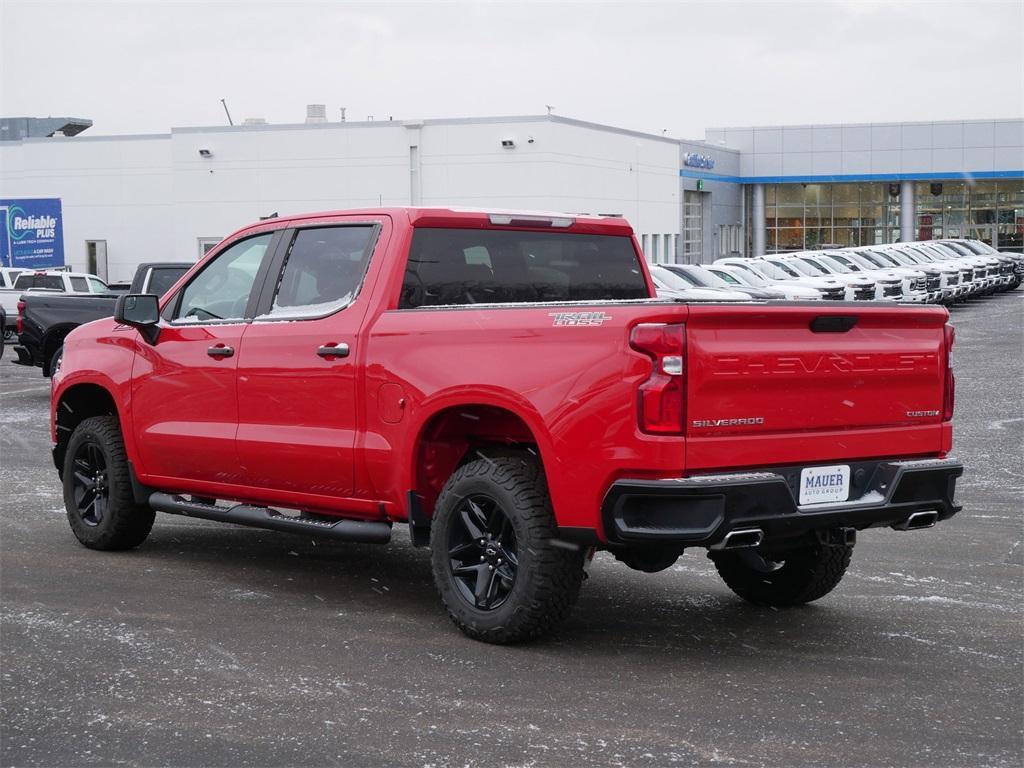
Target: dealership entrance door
pixel 693 227
pixel 96 258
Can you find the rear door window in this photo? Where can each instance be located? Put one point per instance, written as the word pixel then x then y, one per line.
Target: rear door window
pixel 323 270
pixel 79 285
pixel 482 266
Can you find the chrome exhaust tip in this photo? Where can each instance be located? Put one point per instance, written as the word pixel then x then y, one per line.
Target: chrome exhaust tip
pixel 741 538
pixel 918 520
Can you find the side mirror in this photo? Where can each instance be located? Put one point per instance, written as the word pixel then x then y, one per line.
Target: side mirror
pixel 141 311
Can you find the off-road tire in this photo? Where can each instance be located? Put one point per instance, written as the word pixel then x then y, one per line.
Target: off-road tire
pixel 807 574
pixel 55 359
pixel 548 576
pixel 125 523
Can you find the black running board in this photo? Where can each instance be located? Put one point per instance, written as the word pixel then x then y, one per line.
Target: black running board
pixel 366 531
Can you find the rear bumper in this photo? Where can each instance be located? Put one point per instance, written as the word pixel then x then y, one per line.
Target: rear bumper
pixel 700 510
pixel 25 356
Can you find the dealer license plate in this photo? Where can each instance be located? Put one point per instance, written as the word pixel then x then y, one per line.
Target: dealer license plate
pixel 819 485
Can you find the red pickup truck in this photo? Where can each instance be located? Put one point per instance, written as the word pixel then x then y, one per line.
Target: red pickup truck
pixel 506 385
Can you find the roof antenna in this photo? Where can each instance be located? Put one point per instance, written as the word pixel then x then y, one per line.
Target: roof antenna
pixel 550 108
pixel 230 121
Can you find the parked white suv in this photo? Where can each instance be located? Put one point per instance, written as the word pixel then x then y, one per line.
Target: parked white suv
pixel 754 280
pixel 914 281
pixel 670 285
pixel 888 286
pixel 859 287
pixel 944 283
pixel 778 273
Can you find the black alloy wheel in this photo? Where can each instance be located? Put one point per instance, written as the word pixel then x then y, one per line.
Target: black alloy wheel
pixel 482 552
pixel 90 485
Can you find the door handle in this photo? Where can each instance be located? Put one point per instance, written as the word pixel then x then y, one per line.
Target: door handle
pixel 333 350
pixel 220 351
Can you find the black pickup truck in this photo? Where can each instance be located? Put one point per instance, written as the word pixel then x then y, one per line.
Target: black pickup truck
pixel 45 319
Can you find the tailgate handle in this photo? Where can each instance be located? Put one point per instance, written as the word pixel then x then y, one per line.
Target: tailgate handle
pixel 833 323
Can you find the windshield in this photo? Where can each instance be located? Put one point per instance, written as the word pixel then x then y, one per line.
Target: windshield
pixel 980 248
pixel 872 258
pixel 725 277
pixel 752 273
pixel 943 251
pixel 960 249
pixel 848 261
pixel 834 264
pixel 705 276
pixel 803 267
pixel 782 272
pixel 905 258
pixel 818 266
pixel 680 272
pixel 666 278
pixel 856 262
pixel 922 255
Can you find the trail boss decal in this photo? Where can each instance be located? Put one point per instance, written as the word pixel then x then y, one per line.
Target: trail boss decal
pixel 578 318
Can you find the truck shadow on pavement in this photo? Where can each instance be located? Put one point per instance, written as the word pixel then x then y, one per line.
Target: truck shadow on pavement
pixel 668 616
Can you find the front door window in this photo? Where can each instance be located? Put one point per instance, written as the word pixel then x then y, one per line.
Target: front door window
pixel 222 290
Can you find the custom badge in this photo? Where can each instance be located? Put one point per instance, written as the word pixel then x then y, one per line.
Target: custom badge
pixel 578 318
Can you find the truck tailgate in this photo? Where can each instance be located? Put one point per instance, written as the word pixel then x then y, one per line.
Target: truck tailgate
pixel 799 383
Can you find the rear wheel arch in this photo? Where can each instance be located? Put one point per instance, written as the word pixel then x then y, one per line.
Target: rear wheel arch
pixel 52 341
pixel 457 434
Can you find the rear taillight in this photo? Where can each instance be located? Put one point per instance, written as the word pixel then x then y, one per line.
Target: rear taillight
pixel 19 325
pixel 949 396
pixel 662 397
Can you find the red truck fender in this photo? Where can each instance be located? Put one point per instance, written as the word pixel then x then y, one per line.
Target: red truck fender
pixel 448 425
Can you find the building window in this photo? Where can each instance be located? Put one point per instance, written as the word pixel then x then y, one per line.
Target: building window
pixel 810 216
pixel 992 211
pixel 206 244
pixel 693 226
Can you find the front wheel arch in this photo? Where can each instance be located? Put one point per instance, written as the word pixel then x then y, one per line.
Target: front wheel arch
pixel 76 404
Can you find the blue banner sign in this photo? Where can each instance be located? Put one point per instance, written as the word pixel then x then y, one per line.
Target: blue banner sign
pixel 33 235
pixel 697 160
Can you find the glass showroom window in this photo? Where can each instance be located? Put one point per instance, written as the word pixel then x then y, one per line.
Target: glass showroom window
pixel 992 211
pixel 810 216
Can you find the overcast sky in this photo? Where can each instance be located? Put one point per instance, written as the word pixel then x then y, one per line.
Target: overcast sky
pixel 143 67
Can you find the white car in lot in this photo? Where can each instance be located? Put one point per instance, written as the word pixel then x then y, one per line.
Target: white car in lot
pixel 972 275
pixel 980 248
pixel 672 286
pixel 944 284
pixel 993 277
pixel 859 287
pixel 888 285
pixel 778 273
pixel 914 281
pixel 748 278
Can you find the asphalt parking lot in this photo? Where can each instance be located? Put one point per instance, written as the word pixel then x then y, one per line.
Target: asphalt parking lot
pixel 218 645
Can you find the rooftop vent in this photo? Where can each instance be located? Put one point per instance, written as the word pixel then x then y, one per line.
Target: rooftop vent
pixel 316 113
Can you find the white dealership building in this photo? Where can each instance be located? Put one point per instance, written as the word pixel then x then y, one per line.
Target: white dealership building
pixel 169 197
